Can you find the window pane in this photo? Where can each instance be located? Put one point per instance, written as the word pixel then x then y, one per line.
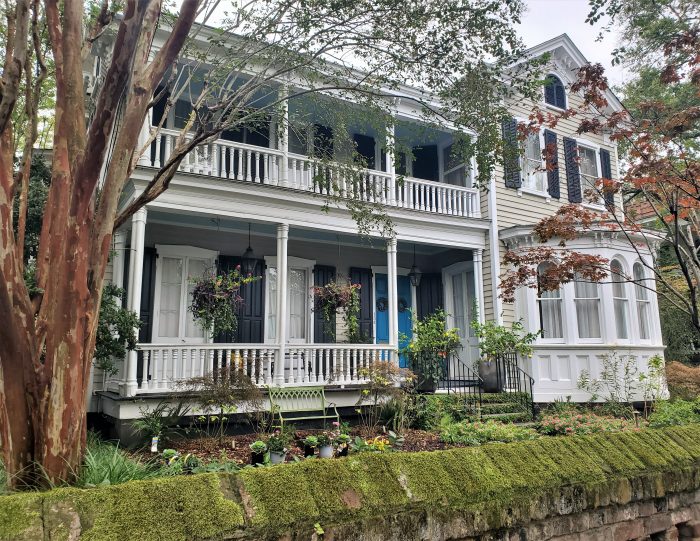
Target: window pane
pixel 170 297
pixel 195 269
pixel 534 174
pixel 549 303
pixel 643 314
pixel 297 304
pixel 640 290
pixel 619 299
pixel 589 163
pixel 642 295
pixel 587 302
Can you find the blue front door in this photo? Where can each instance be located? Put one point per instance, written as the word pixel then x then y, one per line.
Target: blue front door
pixel 404 310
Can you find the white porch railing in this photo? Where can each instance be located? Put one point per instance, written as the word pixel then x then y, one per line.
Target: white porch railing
pixel 247 163
pixel 163 367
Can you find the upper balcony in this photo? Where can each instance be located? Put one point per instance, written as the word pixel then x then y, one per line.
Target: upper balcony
pixel 422 178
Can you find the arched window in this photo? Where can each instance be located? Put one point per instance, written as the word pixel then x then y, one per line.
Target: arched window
pixel 617 277
pixel 554 93
pixel 549 304
pixel 643 302
pixel 587 301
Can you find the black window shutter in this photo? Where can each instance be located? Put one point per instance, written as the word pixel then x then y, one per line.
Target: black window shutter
pixel 364 278
pixel 552 154
pixel 511 154
pixel 573 175
pixel 251 316
pixel 429 294
pixel 323 274
pixel 606 171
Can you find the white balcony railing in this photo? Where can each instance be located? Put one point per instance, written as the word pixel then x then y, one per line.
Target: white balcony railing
pixel 164 367
pixel 247 163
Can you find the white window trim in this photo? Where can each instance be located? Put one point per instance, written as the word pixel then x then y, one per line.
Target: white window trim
pixel 298 263
pixel 180 252
pixel 601 317
pixel 566 93
pixel 651 304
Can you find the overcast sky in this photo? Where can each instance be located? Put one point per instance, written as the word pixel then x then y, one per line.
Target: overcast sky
pixel 546 19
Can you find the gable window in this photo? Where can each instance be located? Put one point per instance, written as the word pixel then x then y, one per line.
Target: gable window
pixel 554 92
pixel 587 301
pixel 533 172
pixel 619 299
pixel 588 165
pixel 643 301
pixel 549 304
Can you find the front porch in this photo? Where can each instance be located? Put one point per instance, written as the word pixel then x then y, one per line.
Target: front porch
pixel 280 340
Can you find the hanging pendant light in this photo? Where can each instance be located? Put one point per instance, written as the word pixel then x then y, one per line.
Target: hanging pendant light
pixel 415 274
pixel 248 261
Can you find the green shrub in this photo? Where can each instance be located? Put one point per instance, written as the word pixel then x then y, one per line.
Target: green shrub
pixel 675 413
pixel 431 409
pixel 107 464
pixel 574 422
pixel 465 433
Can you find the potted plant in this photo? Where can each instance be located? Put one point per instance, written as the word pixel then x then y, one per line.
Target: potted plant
pixel 277 446
pixel 335 296
pixel 430 349
pixel 310 444
pixel 258 449
pixel 496 341
pixel 325 445
pixel 216 299
pixel 343 443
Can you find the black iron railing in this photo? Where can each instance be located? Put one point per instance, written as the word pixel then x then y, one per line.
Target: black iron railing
pixel 435 373
pixel 515 382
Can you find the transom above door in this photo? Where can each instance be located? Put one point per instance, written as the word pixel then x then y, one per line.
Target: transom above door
pixel 172 319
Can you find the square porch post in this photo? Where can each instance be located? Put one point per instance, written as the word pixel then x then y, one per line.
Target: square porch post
pixel 281 315
pixel 138 234
pixel 393 298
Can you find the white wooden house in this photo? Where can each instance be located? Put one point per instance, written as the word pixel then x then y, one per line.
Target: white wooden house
pixel 254 190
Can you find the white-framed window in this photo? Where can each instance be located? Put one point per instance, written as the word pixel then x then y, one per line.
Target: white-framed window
pixel 549 304
pixel 620 302
pixel 172 319
pixel 534 174
pixel 589 167
pixel 554 92
pixel 300 278
pixel 587 301
pixel 643 301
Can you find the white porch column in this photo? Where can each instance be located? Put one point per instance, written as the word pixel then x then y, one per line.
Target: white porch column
pixel 393 299
pixel 479 282
pixel 281 316
pixel 144 135
pixel 118 259
pixel 138 233
pixel 284 139
pixel 390 162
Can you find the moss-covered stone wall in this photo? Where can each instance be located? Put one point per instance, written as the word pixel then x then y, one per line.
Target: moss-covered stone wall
pixel 455 494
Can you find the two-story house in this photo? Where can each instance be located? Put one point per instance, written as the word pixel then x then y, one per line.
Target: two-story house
pixel 249 199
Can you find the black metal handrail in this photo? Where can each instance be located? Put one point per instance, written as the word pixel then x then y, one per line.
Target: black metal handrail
pixel 450 374
pixel 515 382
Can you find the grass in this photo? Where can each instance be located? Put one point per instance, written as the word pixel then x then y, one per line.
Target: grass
pixel 107 464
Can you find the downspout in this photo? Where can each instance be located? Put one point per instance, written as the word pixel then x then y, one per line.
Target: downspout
pixel 494 248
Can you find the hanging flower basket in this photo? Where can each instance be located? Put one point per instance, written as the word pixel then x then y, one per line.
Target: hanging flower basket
pixel 216 299
pixel 335 296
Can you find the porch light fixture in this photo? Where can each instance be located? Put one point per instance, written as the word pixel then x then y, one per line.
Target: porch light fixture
pixel 415 274
pixel 248 261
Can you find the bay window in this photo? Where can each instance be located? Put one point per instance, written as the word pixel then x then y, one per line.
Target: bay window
pixel 619 299
pixel 587 301
pixel 550 308
pixel 643 301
